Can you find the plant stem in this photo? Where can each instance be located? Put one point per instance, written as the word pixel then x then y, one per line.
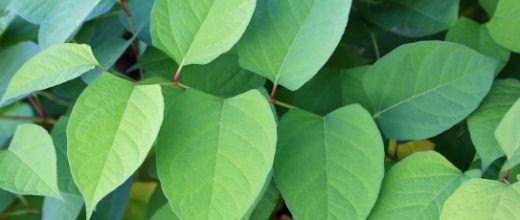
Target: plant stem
pixel 272 98
pixel 33 119
pixel 177 75
pixel 38 107
pixel 505 179
pixel 18 213
pixel 135 43
pixel 53 98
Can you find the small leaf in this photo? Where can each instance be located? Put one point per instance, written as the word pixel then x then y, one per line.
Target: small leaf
pixel 214 155
pixel 288 41
pixel 197 32
pixel 63 21
pixel 51 67
pixel 483 122
pixel 412 18
pixel 69 208
pixel 483 199
pixel 508 134
pixel 421 89
pixel 329 167
pixel 111 129
pixel 29 164
pixel 416 187
pixel 505 25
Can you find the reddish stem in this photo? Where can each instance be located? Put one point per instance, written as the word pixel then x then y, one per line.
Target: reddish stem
pixel 506 176
pixel 38 107
pixel 177 74
pixel 272 98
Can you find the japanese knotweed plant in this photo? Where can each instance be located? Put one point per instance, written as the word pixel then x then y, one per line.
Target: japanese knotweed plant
pixel 259 109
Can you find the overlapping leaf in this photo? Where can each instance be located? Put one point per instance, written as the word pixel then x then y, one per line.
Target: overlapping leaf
pixel 484 121
pixel 483 199
pixel 417 187
pixel 197 32
pixel 51 67
pixel 29 164
pixel 214 155
pixel 329 167
pixel 288 41
pixel 505 24
pixel 111 129
pixel 508 134
pixel 421 89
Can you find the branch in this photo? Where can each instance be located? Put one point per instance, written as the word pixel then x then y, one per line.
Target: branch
pixel 33 119
pixel 135 43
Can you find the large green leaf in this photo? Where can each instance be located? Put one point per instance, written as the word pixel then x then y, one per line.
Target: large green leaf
pixel 29 164
pixel 329 167
pixel 412 18
pixel 12 58
pixel 111 129
pixel 214 155
pixel 476 36
pixel 63 21
pixel 416 188
pixel 508 134
pixel 489 6
pixel 198 31
pixel 289 41
pixel 505 24
pixel 7 127
pixel 481 199
pixel 266 203
pixel 51 67
pixel 421 89
pixel 164 213
pixel 6 199
pixel 484 121
pixel 59 137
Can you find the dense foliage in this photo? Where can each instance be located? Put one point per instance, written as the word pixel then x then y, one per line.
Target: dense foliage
pixel 259 109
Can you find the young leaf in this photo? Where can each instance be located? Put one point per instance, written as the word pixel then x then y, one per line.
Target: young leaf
pixel 483 199
pixel 288 41
pixel 421 89
pixel 111 129
pixel 416 187
pixel 505 24
pixel 63 21
pixel 329 167
pixel 12 58
pixel 214 155
pixel 476 36
pixel 508 134
pixel 412 18
pixel 29 164
pixel 69 208
pixel 484 121
pixel 51 67
pixel 198 31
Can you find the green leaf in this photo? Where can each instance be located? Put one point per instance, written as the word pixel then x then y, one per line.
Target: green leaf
pixel 412 18
pixel 140 10
pixel 12 58
pixel 69 208
pixel 476 36
pixel 113 205
pixel 63 21
pixel 59 137
pixel 6 17
pixel 484 121
pixel 29 164
pixel 288 42
pixel 51 67
pixel 421 89
pixel 197 32
pixel 489 6
pixel 6 199
pixel 34 11
pixel 221 77
pixel 508 134
pixel 416 187
pixel 329 167
pixel 156 63
pixel 7 127
pixel 483 199
pixel 165 213
pixel 111 129
pixel 505 24
pixel 214 155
